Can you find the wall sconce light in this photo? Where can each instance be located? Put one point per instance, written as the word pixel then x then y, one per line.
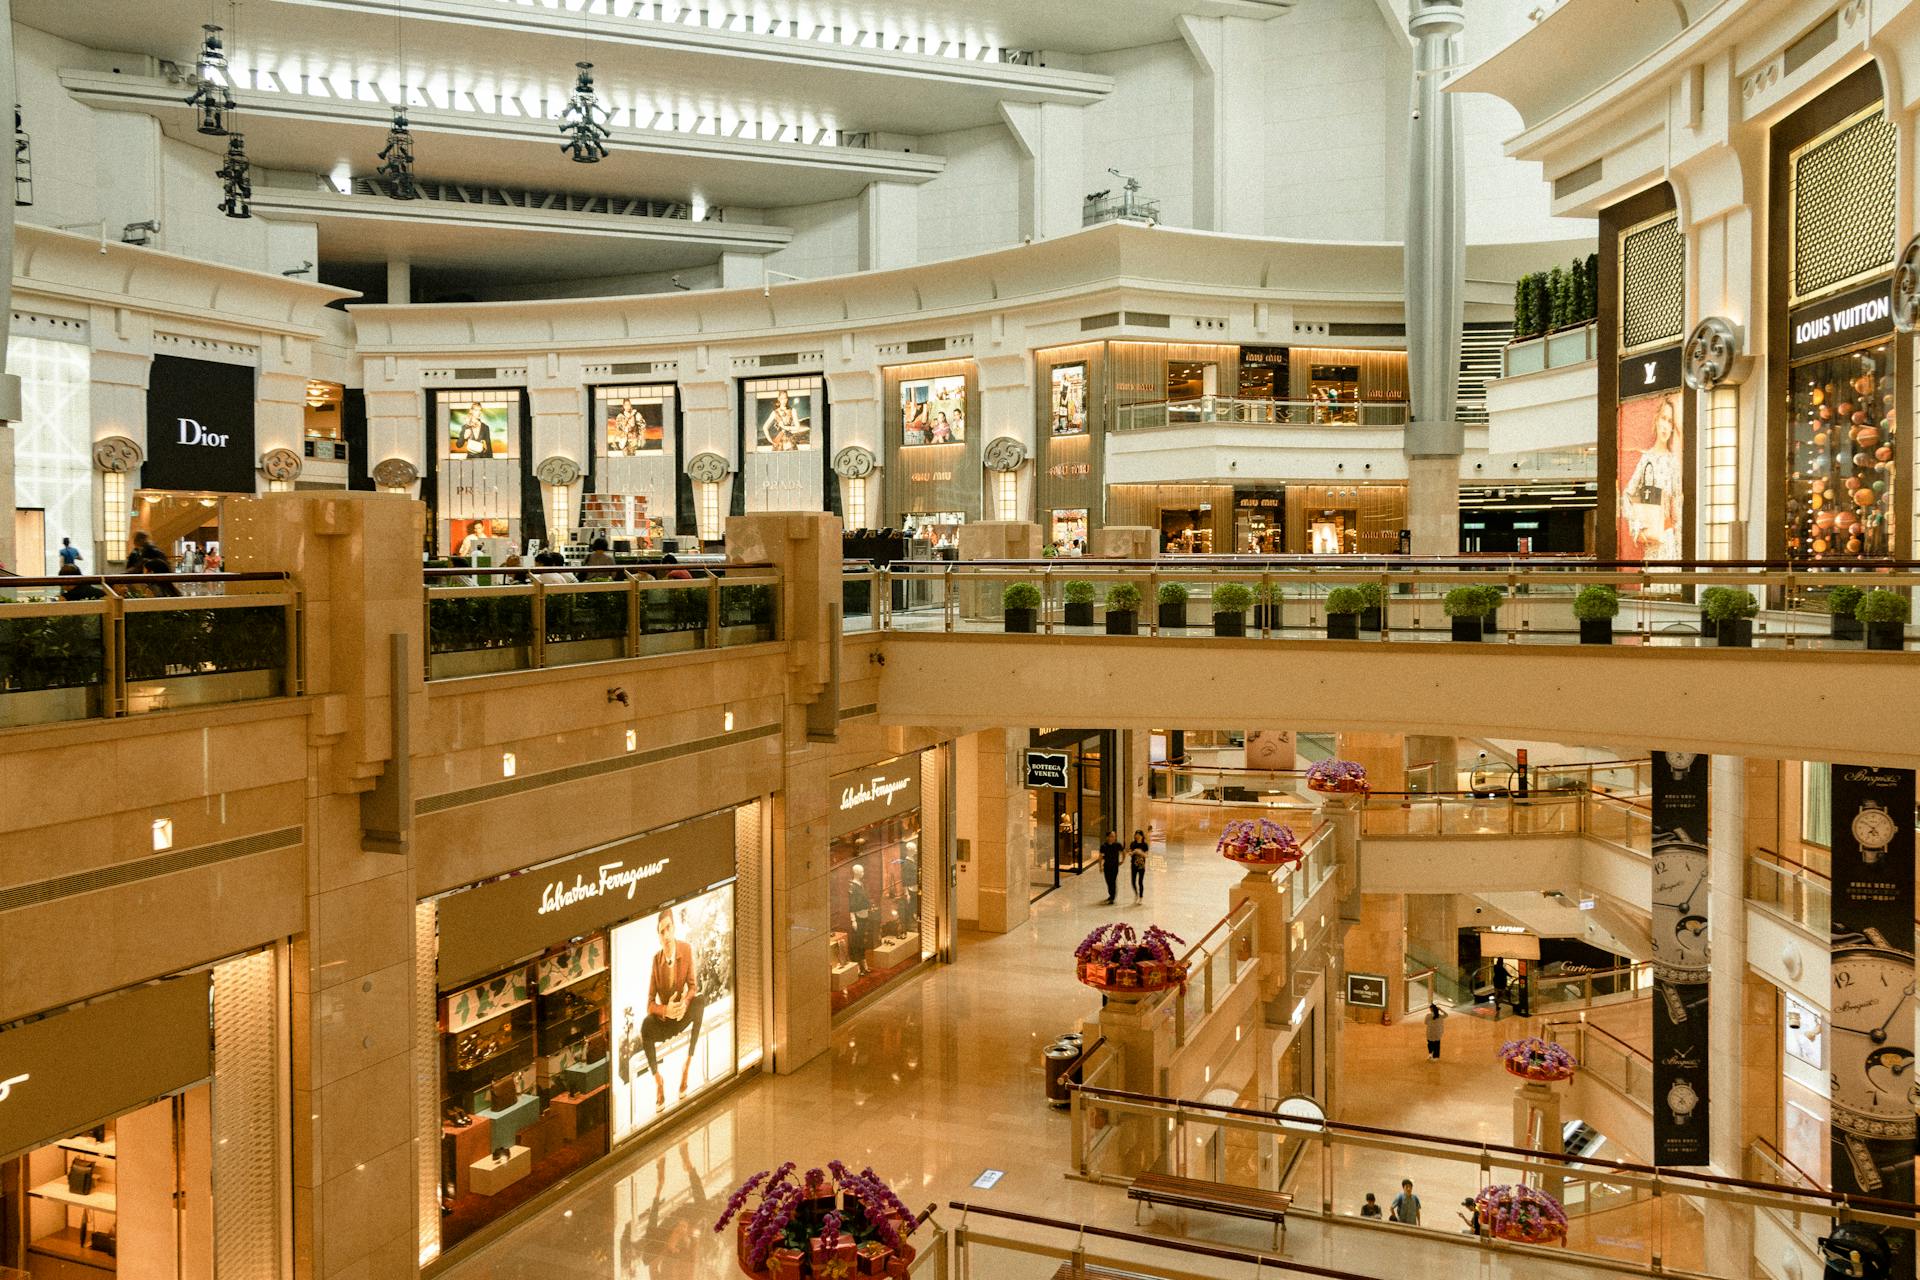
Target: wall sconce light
pixel 728 722
pixel 508 765
pixel 707 512
pixel 163 833
pixel 633 739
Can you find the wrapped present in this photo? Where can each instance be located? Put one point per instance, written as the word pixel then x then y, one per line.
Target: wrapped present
pixel 1127 977
pixel 899 1262
pixel 787 1264
pixel 1153 973
pixel 873 1258
pixel 836 1261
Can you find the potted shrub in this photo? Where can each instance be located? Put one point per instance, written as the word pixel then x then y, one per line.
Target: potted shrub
pixel 1374 598
pixel 1841 602
pixel 1490 620
pixel 1732 612
pixel 1596 607
pixel 1343 613
pixel 1266 607
pixel 1468 607
pixel 1707 598
pixel 1885 615
pixel 1021 602
pixel 1172 598
pixel 829 1222
pixel 1230 601
pixel 1537 1060
pixel 1078 593
pixel 1113 958
pixel 1123 609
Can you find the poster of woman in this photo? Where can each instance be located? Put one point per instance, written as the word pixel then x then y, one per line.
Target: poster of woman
pixel 785 421
pixel 634 419
pixel 933 410
pixel 1652 496
pixel 1069 392
pixel 478 428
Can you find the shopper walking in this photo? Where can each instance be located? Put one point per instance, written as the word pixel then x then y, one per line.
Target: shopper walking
pixel 1406 1205
pixel 1472 1216
pixel 1137 850
pixel 1435 1019
pixel 69 554
pixel 1499 986
pixel 1110 851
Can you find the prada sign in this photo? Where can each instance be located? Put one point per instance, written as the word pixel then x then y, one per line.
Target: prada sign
pixel 1650 373
pixel 496 923
pixel 1844 320
pixel 874 794
pixel 74 1070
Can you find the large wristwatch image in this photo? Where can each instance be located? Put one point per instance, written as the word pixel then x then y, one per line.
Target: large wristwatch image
pixel 1874 829
pixel 1680 919
pixel 1681 1100
pixel 1872 1049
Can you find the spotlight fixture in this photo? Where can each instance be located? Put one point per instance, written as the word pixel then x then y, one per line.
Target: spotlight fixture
pixel 233 176
pixel 586 137
pixel 212 99
pixel 22 160
pixel 396 159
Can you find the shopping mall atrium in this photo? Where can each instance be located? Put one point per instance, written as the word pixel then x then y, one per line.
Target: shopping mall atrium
pixel 959 640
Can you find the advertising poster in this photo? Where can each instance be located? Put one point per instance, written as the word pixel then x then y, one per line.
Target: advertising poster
pixel 1680 889
pixel 1269 748
pixel 933 410
pixel 782 420
pixel 673 1007
pixel 634 420
pixel 1069 388
pixel 1871 1008
pixel 1652 477
pixel 478 428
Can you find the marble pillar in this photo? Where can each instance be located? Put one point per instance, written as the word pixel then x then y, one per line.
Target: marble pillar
pixel 1729 1231
pixel 1003 833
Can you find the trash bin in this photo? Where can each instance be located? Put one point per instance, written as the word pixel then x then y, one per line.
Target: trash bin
pixel 1059 1059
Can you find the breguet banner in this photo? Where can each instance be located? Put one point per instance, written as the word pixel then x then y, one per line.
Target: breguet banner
pixel 1680 863
pixel 1871 1049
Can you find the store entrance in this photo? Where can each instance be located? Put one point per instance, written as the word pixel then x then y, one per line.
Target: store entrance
pixel 1068 825
pixel 186 526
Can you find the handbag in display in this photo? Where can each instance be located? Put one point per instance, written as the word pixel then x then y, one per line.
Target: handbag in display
pixel 80 1176
pixel 503 1093
pixel 107 1242
pixel 598 1046
pixel 1647 494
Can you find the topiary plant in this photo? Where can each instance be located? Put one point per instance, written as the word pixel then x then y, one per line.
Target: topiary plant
pixel 1172 593
pixel 1884 606
pixel 1842 600
pixel 1020 595
pixel 1468 602
pixel 1347 600
pixel 1596 602
pixel 1232 597
pixel 1123 596
pixel 1732 603
pixel 1372 594
pixel 1077 591
pixel 1708 596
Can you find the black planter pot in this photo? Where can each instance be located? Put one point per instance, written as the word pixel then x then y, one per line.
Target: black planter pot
pixel 1230 624
pixel 1596 631
pixel 1469 629
pixel 1266 617
pixel 1122 622
pixel 1370 618
pixel 1891 636
pixel 1173 617
pixel 1736 633
pixel 1845 628
pixel 1491 623
pixel 1022 620
pixel 1080 615
pixel 1343 626
pixel 1707 625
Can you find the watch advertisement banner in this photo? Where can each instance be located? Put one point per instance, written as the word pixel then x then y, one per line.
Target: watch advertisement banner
pixel 1871 1021
pixel 673 1008
pixel 1680 889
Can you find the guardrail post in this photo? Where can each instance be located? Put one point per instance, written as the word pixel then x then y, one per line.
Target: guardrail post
pixel 113 640
pixel 713 609
pixel 537 642
pixel 634 599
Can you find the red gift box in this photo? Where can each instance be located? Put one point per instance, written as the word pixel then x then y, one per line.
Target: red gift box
pixel 873 1258
pixel 837 1262
pixel 787 1264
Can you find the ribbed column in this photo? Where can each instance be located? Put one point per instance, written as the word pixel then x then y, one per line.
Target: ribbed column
pixel 1436 267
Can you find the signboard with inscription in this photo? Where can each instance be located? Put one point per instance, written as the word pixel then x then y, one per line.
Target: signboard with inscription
pixel 1046 771
pixel 866 796
pixel 1367 990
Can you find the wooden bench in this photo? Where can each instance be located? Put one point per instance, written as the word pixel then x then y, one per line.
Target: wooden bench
pixel 1214 1197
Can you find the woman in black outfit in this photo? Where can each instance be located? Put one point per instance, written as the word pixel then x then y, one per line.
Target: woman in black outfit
pixel 1110 850
pixel 1137 863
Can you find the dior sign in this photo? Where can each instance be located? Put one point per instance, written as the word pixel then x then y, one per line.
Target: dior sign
pixel 200 426
pixel 192 433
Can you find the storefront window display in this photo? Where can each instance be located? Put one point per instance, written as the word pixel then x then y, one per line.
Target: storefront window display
pixel 1068 397
pixel 933 410
pixel 633 419
pixel 674 1002
pixel 1334 390
pixel 785 441
pixel 1653 477
pixel 478 482
pixel 1067 531
pixel 874 866
pixel 632 480
pixel 1843 442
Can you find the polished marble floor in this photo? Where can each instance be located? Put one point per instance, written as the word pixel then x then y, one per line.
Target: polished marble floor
pixel 941 1080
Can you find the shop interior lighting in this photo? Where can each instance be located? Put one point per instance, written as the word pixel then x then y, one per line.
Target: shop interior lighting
pixel 582 120
pixel 707 511
pixel 1006 495
pixel 235 181
pixel 1721 505
pixel 857 502
pixel 163 833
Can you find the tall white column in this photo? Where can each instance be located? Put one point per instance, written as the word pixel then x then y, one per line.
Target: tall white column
pixel 889 226
pixel 1729 1231
pixel 9 384
pixel 1436 268
pixel 1049 134
pixel 399 281
pixel 1229 100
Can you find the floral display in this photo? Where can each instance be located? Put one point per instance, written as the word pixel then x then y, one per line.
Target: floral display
pixel 1259 842
pixel 1113 958
pixel 1340 776
pixel 1521 1214
pixel 831 1223
pixel 1537 1059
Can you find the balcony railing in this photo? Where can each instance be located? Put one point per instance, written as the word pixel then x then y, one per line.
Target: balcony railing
pixel 1552 351
pixel 484 621
pixel 1606 1058
pixel 1234 410
pixel 76 648
pixel 1798 893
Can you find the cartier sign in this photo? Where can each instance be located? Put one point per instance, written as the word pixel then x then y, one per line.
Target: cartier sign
pixel 866 796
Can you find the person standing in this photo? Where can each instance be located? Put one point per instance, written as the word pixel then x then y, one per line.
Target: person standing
pixel 1499 985
pixel 1472 1217
pixel 1406 1205
pixel 1110 850
pixel 860 912
pixel 1137 850
pixel 1435 1019
pixel 69 554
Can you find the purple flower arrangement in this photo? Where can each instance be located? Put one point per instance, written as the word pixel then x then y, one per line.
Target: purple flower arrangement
pixel 1259 842
pixel 823 1223
pixel 1336 776
pixel 1113 957
pixel 1521 1214
pixel 1537 1059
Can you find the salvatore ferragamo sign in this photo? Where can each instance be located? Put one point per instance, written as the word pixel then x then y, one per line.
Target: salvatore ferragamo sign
pixel 496 923
pixel 867 796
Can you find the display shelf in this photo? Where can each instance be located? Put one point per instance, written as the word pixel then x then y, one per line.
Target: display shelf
pixel 88 1147
pixel 102 1199
pixel 67 1245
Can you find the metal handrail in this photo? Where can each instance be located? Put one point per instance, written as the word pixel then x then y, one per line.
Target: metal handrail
pixel 1780 1158
pixel 1229 410
pixel 1588 1028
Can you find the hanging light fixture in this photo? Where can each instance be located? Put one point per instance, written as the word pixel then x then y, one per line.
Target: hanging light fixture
pixel 396 159
pixel 233 177
pixel 586 137
pixel 22 160
pixel 211 98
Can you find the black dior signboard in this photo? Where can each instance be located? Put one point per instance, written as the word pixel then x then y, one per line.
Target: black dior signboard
pixel 1871 1028
pixel 1680 889
pixel 199 426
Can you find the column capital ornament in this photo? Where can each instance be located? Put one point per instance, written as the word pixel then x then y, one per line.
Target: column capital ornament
pixel 1711 349
pixel 1906 288
pixel 117 453
pixel 708 468
pixel 1003 453
pixel 853 462
pixel 557 470
pixel 395 473
pixel 281 464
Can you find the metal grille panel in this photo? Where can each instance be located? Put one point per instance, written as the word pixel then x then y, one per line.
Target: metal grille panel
pixel 245 1104
pixel 751 934
pixel 426 1076
pixel 933 862
pixel 1480 349
pixel 1653 284
pixel 1844 205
